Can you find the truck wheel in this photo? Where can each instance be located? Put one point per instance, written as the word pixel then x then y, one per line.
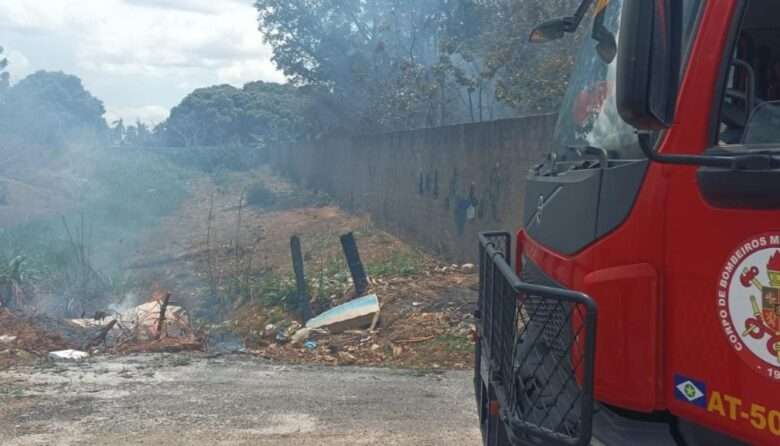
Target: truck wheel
pixel 494 433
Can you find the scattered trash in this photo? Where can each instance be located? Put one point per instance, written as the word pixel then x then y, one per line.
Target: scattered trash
pixel 346 357
pixel 301 335
pixel 310 345
pixel 91 322
pixel 270 330
pixel 416 304
pixel 5 339
pixel 374 321
pixel 355 314
pixel 292 328
pixel 224 342
pixel 468 267
pixel 281 337
pixel 68 355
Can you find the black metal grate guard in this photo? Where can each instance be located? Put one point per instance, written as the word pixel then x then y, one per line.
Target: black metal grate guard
pixel 537 350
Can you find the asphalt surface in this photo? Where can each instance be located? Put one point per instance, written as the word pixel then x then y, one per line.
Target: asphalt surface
pixel 232 400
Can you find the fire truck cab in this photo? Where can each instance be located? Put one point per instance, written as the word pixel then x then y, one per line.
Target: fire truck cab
pixel 640 302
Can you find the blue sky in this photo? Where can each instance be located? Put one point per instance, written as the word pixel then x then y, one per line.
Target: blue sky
pixel 141 57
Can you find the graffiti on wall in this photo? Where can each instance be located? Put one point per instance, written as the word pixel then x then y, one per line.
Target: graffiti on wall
pixel 466 202
pixel 428 184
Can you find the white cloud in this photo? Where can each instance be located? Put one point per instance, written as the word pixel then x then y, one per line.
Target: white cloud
pixel 33 16
pixel 202 6
pixel 137 53
pixel 241 72
pixel 18 64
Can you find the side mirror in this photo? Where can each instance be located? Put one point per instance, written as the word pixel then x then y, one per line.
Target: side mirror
pixel 607 46
pixel 550 30
pixel 649 58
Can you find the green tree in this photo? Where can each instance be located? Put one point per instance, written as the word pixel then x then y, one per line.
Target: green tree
pixel 5 77
pixel 260 113
pixel 378 59
pixel 52 108
pixel 487 51
pixel 138 134
pixel 118 132
pixel 390 64
pixel 205 117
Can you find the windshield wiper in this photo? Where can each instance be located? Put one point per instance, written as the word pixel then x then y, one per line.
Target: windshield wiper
pixel 576 158
pixel 586 157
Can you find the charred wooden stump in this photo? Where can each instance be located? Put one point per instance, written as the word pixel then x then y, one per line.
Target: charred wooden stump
pixel 359 277
pixel 300 278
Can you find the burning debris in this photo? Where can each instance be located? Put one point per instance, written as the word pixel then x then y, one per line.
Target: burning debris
pixel 157 318
pixel 156 326
pixel 385 304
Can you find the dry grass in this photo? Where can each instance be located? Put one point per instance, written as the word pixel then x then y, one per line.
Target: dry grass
pixel 421 300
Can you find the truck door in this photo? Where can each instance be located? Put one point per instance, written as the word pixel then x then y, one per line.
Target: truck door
pixel 722 268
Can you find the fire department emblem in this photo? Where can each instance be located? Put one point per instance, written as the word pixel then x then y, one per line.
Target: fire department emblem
pixel 749 303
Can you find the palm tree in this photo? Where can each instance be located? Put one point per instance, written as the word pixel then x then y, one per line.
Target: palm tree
pixel 13 276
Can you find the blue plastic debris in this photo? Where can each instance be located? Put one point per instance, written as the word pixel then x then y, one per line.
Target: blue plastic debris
pixel 281 336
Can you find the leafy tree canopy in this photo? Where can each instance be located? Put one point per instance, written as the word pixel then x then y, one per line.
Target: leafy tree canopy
pixel 259 113
pixel 391 64
pixel 51 108
pixel 5 78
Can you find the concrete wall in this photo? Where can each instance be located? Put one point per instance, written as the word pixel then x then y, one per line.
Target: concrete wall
pixel 435 187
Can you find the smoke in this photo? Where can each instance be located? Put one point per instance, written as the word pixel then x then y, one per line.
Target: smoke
pixel 78 211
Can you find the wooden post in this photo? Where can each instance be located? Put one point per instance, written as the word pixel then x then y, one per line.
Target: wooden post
pixel 300 278
pixel 355 265
pixel 161 320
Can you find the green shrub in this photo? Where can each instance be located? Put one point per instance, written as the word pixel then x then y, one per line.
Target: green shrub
pixel 258 194
pixel 398 264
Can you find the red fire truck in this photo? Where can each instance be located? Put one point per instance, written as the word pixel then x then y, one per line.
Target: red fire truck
pixel 640 303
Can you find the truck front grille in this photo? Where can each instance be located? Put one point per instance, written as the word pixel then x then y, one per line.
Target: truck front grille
pixel 537 351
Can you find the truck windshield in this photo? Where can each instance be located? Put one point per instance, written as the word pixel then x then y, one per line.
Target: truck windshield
pixel 588 114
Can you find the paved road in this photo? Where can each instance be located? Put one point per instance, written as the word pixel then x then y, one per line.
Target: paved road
pixel 184 400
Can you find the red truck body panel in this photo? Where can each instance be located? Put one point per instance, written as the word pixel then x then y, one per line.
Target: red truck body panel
pixel 663 280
